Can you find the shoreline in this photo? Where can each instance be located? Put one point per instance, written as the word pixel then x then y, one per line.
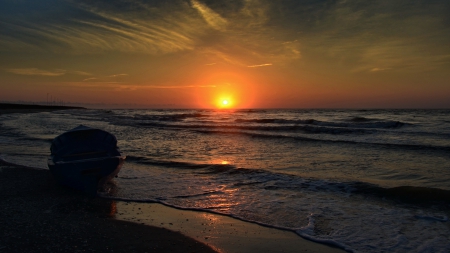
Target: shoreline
pixel 221 232
pixel 39 215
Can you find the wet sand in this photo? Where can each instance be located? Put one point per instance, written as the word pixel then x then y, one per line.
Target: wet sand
pixel 225 234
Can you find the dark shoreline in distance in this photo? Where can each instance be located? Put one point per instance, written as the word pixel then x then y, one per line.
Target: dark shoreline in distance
pixel 8 106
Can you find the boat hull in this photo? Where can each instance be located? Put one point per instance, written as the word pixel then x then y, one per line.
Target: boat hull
pixel 87 175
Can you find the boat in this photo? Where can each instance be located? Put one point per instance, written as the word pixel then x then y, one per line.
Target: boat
pixel 85 159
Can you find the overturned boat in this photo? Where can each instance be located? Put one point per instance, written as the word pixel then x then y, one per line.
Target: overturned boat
pixel 85 158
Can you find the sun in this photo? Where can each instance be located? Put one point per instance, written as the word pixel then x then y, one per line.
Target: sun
pixel 224 102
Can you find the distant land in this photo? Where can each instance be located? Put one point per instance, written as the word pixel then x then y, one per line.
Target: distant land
pixel 79 105
pixel 27 108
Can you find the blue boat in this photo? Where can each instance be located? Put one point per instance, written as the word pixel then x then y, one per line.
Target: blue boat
pixel 85 158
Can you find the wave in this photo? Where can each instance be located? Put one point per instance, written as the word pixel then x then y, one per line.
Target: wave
pixel 308 139
pixel 209 168
pixel 417 194
pixel 360 119
pixel 406 194
pixel 274 181
pixel 305 129
pixel 355 122
pixel 275 120
pixel 169 118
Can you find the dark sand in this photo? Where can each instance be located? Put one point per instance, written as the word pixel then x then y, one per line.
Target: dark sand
pixel 38 215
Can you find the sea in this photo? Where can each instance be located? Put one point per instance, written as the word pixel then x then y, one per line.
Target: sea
pixel 360 180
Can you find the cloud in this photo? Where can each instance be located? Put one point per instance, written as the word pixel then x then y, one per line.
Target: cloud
pixel 104 78
pixel 346 33
pixel 81 73
pixel 211 17
pixel 92 27
pixel 42 72
pixel 36 72
pixel 260 65
pixel 121 86
pixel 379 69
pixel 361 36
pixel 178 86
pixel 234 32
pixel 90 79
pixel 118 75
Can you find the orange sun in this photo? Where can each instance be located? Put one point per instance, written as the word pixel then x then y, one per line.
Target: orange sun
pixel 224 102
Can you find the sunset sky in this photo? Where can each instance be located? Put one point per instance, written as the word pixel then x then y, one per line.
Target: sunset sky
pixel 253 53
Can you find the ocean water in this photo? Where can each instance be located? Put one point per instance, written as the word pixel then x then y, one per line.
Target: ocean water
pixel 362 180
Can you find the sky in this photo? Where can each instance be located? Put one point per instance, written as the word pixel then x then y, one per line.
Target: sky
pixel 251 53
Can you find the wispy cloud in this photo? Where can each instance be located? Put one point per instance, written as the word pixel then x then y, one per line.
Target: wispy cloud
pixel 121 86
pixel 260 65
pixel 345 33
pixel 103 26
pixel 93 27
pixel 211 17
pixel 104 78
pixel 362 37
pixel 178 86
pixel 43 72
pixel 379 69
pixel 118 75
pixel 90 79
pixel 36 72
pixel 81 73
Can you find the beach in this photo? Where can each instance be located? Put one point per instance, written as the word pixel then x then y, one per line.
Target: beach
pixel 246 180
pixel 38 215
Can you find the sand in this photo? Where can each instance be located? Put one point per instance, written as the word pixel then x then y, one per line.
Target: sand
pixel 38 215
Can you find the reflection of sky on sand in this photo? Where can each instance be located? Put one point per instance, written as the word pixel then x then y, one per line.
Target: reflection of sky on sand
pixel 222 233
